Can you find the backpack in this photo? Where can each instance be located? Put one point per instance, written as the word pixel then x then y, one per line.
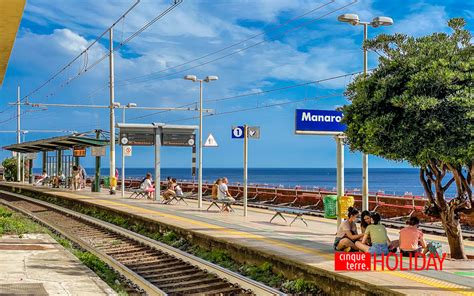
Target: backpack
pixel 435 248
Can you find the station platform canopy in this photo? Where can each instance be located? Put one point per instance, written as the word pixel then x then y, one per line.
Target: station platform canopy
pixel 11 12
pixel 58 143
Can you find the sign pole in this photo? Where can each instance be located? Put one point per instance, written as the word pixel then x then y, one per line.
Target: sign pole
pixel 340 176
pixel 157 162
pixel 246 128
pixel 123 158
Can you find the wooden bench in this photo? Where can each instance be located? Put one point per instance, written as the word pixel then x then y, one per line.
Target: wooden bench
pixel 297 212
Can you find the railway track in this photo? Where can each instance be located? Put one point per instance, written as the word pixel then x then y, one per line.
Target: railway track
pixel 153 268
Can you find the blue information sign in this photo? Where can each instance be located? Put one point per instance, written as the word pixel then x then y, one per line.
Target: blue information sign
pixel 319 122
pixel 238 132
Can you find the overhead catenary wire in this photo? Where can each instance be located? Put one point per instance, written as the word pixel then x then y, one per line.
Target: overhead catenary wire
pixel 260 107
pixel 148 24
pixel 259 92
pixel 122 44
pixel 80 54
pixel 246 47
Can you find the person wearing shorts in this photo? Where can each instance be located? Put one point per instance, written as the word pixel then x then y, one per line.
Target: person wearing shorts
pixel 378 236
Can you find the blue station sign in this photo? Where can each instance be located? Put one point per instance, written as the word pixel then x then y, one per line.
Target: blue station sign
pixel 324 122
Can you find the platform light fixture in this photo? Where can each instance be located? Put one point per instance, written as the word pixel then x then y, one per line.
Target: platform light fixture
pixel 193 78
pixel 379 21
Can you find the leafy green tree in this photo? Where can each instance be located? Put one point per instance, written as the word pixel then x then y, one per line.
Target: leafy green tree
pixel 9 164
pixel 418 106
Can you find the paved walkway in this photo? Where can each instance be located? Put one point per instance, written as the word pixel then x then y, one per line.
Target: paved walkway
pixel 311 245
pixel 37 265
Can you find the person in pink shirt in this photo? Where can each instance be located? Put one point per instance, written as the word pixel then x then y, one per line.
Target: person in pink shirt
pixel 411 239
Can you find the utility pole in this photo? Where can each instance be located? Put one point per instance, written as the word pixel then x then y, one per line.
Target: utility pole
pixel 18 136
pixel 112 106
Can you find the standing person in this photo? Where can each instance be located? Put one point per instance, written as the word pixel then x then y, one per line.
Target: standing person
pixel 83 175
pixel 411 238
pixel 378 236
pixel 215 188
pixel 223 190
pixel 347 236
pixel 76 178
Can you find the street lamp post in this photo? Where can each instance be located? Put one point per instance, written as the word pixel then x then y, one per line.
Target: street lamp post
pixel 353 19
pixel 193 78
pixel 129 105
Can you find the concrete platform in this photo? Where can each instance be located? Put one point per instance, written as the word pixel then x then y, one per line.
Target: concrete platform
pixel 37 265
pixel 309 246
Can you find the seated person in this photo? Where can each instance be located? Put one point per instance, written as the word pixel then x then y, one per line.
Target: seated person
pixel 57 180
pixel 170 191
pixel 411 239
pixel 223 191
pixel 41 179
pixel 378 236
pixel 365 221
pixel 178 190
pixel 147 186
pixel 215 188
pixel 347 235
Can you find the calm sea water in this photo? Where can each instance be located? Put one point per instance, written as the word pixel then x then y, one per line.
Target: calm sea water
pixel 390 180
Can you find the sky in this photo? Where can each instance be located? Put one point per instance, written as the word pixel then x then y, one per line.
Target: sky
pixel 276 47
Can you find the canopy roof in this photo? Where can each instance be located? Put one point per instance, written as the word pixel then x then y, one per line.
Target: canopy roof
pixel 10 17
pixel 57 143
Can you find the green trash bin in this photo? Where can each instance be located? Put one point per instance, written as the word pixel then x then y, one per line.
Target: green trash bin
pixel 106 182
pixel 330 203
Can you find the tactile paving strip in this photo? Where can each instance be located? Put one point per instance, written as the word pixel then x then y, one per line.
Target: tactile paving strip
pixel 24 289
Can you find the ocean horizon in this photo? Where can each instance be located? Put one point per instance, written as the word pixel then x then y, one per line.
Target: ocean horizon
pixel 397 181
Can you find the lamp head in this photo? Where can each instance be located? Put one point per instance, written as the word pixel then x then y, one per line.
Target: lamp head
pixel 193 78
pixel 131 105
pixel 350 18
pixel 211 78
pixel 382 21
pixel 116 105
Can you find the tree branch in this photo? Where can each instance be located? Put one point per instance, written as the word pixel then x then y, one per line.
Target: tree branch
pixel 445 187
pixel 426 186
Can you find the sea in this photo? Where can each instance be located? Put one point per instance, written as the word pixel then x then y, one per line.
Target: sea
pixel 398 181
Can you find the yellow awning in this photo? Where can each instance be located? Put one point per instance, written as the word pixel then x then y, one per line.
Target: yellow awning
pixel 11 12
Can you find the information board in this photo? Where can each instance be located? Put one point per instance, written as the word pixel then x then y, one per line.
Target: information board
pixel 178 139
pixel 137 138
pixel 79 151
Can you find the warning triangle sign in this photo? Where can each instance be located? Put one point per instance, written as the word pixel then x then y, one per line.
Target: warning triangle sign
pixel 210 142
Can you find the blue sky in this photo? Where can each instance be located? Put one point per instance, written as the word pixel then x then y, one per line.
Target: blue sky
pixel 52 32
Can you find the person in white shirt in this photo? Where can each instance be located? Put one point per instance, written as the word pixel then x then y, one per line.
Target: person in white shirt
pixel 41 179
pixel 223 190
pixel 147 186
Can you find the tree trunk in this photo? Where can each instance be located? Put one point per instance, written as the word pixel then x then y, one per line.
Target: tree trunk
pixel 453 233
pixel 438 207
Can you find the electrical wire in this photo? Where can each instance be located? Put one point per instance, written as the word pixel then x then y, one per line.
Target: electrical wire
pixel 79 55
pixel 244 48
pixel 123 81
pixel 260 107
pixel 122 44
pixel 259 92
